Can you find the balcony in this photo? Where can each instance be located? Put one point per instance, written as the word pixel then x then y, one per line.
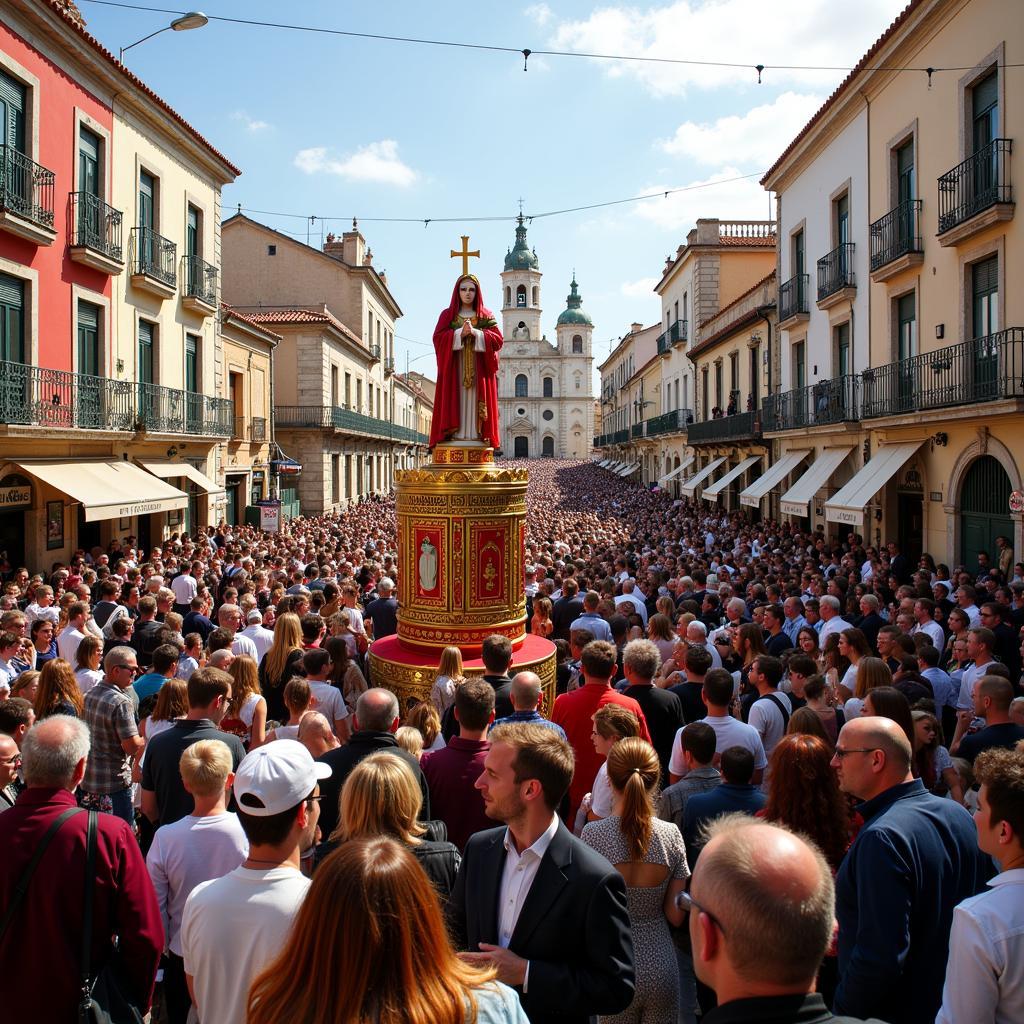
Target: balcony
pixel 836 282
pixel 976 193
pixel 58 400
pixel 375 353
pixel 389 365
pixel 26 197
pixel 618 437
pixel 827 402
pixel 199 287
pixel 637 430
pixel 95 233
pixel 793 301
pixel 599 441
pixel 153 260
pixel 741 426
pixel 238 433
pixel 896 243
pixel 981 370
pixel 335 417
pixel 675 335
pixel 258 428
pixel 669 422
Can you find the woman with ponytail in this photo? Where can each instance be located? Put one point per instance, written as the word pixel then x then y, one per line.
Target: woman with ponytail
pixel 650 856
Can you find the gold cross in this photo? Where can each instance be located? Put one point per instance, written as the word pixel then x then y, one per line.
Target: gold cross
pixel 465 254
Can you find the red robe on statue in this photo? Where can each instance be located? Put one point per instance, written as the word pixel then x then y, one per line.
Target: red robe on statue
pixel 450 372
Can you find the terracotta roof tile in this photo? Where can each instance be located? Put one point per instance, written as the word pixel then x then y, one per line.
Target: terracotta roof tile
pixel 767 242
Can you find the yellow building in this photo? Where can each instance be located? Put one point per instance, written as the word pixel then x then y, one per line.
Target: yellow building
pixel 933 417
pixel 247 352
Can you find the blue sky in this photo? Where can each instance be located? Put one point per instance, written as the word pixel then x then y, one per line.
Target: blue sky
pixel 336 127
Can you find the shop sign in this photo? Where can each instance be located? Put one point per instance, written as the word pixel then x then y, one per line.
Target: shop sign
pixel 15 493
pixel 270 515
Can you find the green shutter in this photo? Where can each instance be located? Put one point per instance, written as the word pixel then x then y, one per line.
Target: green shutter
pixel 12 109
pixel 985 276
pixel 88 316
pixel 12 291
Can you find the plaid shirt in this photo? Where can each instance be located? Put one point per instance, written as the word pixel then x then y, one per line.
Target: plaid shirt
pixel 110 715
pixel 673 798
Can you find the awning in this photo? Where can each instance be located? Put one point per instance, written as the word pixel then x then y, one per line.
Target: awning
pixel 848 504
pixel 766 482
pixel 601 463
pixel 614 467
pixel 685 464
pixel 713 491
pixel 691 485
pixel 173 470
pixel 108 489
pixel 797 500
pixel 629 470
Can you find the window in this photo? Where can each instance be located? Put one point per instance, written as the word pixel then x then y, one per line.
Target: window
pixel 12 319
pixel 335 479
pixel 686 305
pixel 704 392
pixel 348 476
pixel 734 371
pixel 547 414
pixel 577 343
pixel 536 296
pixel 799 254
pixel 192 342
pixel 147 200
pixel 984 112
pixel 508 295
pixel 549 387
pixel 675 310
pixel 89 162
pixel 718 384
pixel 334 384
pixel 193 237
pixel 521 296
pixel 800 364
pixel 906 188
pixel 88 338
pixel 271 250
pixel 13 96
pixel 906 327
pixel 755 361
pixel 548 448
pixel 522 386
pixel 348 390
pixel 147 339
pixel 359 395
pixel 842 364
pixel 985 297
pixel 842 219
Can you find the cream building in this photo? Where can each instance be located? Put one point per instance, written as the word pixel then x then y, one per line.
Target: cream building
pixel 545 394
pixel 934 418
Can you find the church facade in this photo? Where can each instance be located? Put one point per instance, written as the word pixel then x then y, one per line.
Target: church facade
pixel 545 390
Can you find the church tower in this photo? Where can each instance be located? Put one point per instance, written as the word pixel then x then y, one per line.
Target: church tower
pixel 520 291
pixel 574 328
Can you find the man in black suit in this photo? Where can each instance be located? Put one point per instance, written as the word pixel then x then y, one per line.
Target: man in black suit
pixel 376 721
pixel 566 610
pixel 533 900
pixel 870 622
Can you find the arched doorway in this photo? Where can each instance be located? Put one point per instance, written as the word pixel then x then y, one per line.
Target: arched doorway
pixel 521 447
pixel 984 509
pixel 548 448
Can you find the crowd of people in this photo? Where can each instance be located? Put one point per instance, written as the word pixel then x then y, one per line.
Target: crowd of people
pixel 751 798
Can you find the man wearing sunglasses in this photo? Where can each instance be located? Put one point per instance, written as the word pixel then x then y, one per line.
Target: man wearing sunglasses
pixel 116 744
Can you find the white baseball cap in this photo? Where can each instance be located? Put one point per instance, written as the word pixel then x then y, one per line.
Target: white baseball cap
pixel 276 777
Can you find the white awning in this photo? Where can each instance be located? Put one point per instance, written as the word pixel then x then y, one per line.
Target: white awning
pixel 173 470
pixel 752 495
pixel 685 464
pixel 629 470
pixel 713 491
pixel 691 485
pixel 847 506
pixel 108 489
pixel 603 463
pixel 612 466
pixel 797 500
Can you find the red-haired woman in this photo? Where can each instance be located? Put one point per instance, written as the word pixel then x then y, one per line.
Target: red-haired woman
pixel 371 923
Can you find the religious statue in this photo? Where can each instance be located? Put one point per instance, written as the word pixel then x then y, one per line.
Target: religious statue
pixel 467 340
pixel 428 566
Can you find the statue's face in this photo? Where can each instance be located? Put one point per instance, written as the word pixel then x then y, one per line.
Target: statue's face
pixel 467 293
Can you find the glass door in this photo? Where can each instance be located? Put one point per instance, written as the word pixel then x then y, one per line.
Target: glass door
pixel 88 400
pixel 906 187
pixel 14 375
pixel 90 227
pixel 15 184
pixel 906 343
pixel 147 222
pixel 984 131
pixel 984 325
pixel 193 399
pixel 148 410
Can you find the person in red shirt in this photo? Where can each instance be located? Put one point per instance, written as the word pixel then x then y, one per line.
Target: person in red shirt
pixel 574 713
pixel 44 936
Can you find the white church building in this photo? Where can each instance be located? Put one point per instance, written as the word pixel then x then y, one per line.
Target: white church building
pixel 545 390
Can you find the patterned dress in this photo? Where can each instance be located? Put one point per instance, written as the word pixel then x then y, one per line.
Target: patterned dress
pixel 657 969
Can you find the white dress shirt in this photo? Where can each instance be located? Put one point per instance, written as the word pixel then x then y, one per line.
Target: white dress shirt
pixel 985 971
pixel 516 880
pixel 834 625
pixel 965 702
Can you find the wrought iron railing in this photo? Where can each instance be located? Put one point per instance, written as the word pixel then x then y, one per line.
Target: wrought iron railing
pixel 389 364
pixel 258 428
pixel 827 401
pixel 835 271
pixel 599 440
pixel 896 234
pixel 95 225
pixel 981 370
pixel 981 181
pixel 26 188
pixel 200 279
pixel 664 345
pixel 618 437
pixel 741 424
pixel 36 396
pixel 637 430
pixel 375 352
pixel 335 417
pixel 153 255
pixel 668 422
pixel 793 296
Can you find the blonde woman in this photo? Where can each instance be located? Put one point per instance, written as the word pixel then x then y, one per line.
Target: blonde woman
pixel 650 855
pixel 247 712
pixel 449 678
pixel 871 673
pixel 281 663
pixel 423 717
pixel 410 739
pixel 541 624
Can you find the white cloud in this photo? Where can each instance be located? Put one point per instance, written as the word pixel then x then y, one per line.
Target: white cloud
pixel 745 32
pixel 375 162
pixel 714 196
pixel 252 124
pixel 640 289
pixel 753 139
pixel 540 14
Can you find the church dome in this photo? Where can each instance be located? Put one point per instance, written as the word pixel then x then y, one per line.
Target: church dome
pixel 572 314
pixel 520 257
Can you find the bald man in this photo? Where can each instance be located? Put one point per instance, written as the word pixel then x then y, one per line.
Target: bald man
pixel 525 693
pixel 10 762
pixel 914 860
pixel 761 907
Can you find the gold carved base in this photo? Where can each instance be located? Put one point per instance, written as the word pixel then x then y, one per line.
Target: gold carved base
pixel 455 455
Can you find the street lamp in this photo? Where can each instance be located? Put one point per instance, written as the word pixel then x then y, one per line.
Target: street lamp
pixel 194 19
